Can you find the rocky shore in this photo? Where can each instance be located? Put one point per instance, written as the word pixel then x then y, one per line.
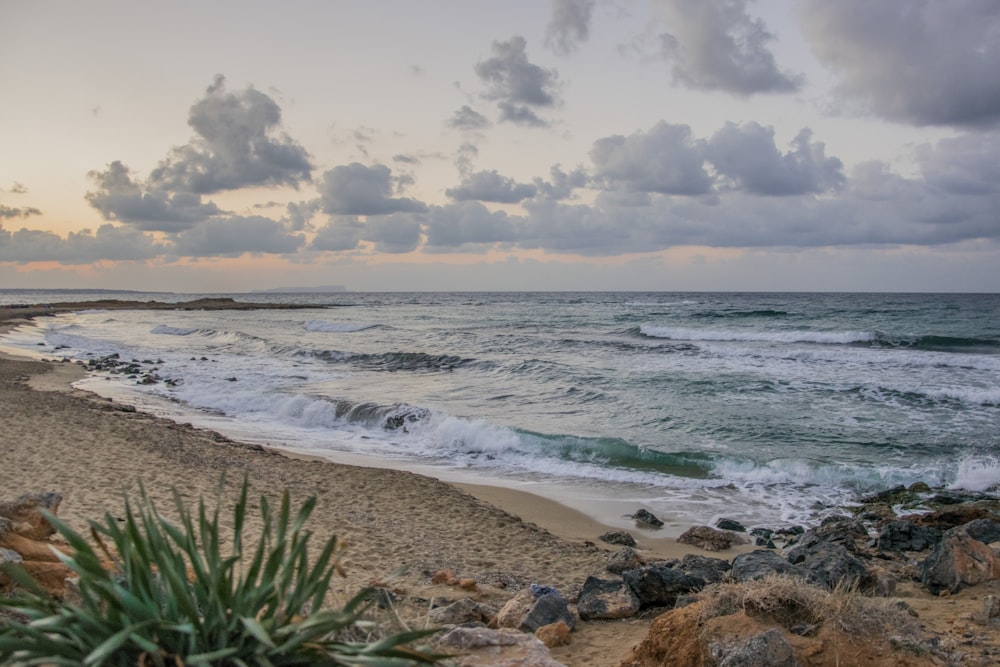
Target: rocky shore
pixel 907 577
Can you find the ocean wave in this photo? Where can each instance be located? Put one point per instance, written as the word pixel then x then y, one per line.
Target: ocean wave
pixel 936 343
pixel 323 326
pixel 166 330
pixel 977 473
pixel 822 337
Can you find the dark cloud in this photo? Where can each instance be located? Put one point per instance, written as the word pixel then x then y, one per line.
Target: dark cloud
pixel 964 165
pixel 569 25
pixel 747 155
pixel 924 63
pixel 237 145
pixel 397 233
pixel 119 197
pixel 467 224
pixel 667 160
pixel 300 213
pixel 719 46
pixel 355 189
pixel 22 212
pixel 405 159
pixel 517 85
pixel 340 234
pixel 236 235
pixel 492 187
pixel 108 243
pixel 468 119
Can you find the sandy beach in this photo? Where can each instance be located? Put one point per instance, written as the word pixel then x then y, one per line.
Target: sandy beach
pixel 398 528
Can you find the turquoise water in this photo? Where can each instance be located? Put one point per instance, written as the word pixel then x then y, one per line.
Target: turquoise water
pixel 762 406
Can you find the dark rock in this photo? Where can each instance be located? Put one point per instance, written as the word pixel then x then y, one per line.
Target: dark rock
pixel 548 609
pixel 919 487
pixel 760 563
pixel 606 598
pixel 768 649
pixel 764 542
pixel 620 537
pixel 907 536
pixel 703 568
pixel 829 564
pixel 946 499
pixel 708 538
pixel 986 531
pixel 730 524
pixel 889 495
pixel 952 517
pixel 761 532
pixel 660 585
pixel 647 517
pixel 958 561
pixel 624 560
pixel 843 530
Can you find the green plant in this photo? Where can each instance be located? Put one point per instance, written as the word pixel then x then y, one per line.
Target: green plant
pixel 172 597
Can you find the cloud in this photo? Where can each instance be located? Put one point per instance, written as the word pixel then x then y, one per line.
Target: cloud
pixel 468 119
pixel 492 187
pixel 300 213
pixel 23 212
pixel 397 233
pixel 916 62
pixel 561 184
pixel 109 242
pixel 719 46
pixel 338 235
pixel 237 145
pixel 963 165
pixel 666 159
pixel 355 189
pixel 569 25
pixel 464 157
pixel 517 85
pixel 119 197
pixel 747 155
pixel 17 189
pixel 467 224
pixel 236 235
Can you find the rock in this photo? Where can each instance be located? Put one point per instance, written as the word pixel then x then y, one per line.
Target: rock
pixel 730 524
pixel 480 647
pixel 461 611
pixel 546 610
pixel 843 530
pixel 885 584
pixel 660 585
pixel 958 561
pixel 25 514
pixel 887 496
pixel 8 557
pixel 952 517
pixel 646 517
pixel 555 634
pixel 467 584
pixel 705 569
pixel 761 563
pixel 708 538
pixel 446 577
pixel 606 598
pixel 768 649
pixel 919 487
pixel 624 560
pixel 986 530
pixel 619 537
pixel 905 535
pixel 830 565
pixel 988 611
pixel 515 609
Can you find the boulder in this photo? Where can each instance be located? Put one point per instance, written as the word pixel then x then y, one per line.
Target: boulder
pixel 546 610
pixel 985 530
pixel 830 565
pixel 952 517
pixel 647 518
pixel 605 599
pixel 479 647
pixel 989 611
pixel 709 539
pixel 516 608
pixel 461 611
pixel 843 530
pixel 624 560
pixel 958 561
pixel 760 563
pixel 660 585
pixel 705 569
pixel 26 517
pixel 906 535
pixel 619 537
pixel 730 524
pixel 768 649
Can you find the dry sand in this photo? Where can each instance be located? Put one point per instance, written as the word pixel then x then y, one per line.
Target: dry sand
pixel 93 452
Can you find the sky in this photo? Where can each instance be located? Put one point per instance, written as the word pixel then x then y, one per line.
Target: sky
pixel 393 145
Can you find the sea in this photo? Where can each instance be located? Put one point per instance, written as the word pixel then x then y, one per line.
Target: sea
pixel 768 408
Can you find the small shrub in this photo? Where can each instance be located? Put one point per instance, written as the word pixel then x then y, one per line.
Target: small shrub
pixel 172 597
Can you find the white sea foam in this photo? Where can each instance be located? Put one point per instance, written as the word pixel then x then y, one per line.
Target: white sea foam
pixel 165 330
pixel 825 337
pixel 323 326
pixel 977 474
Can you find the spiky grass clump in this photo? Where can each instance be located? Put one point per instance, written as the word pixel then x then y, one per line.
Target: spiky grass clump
pixel 174 598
